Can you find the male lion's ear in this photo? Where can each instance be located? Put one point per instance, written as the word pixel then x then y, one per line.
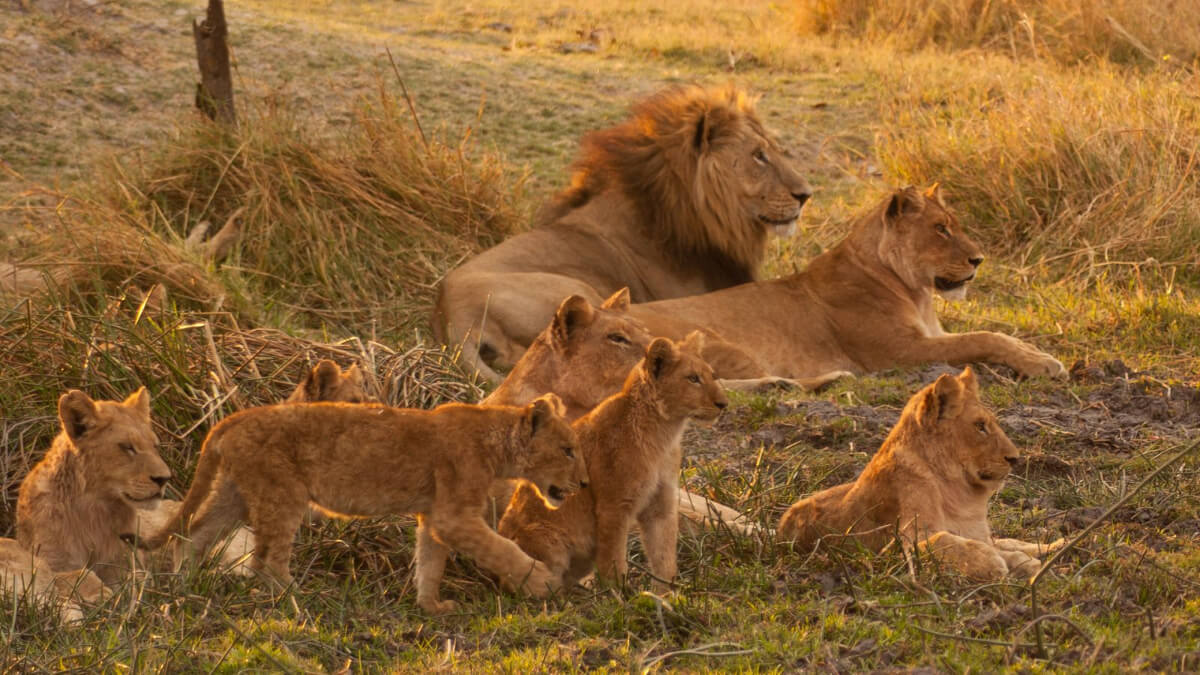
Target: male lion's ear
pixel 939 401
pixel 542 410
pixel 661 353
pixel 618 301
pixel 139 401
pixel 76 413
pixel 904 200
pixel 574 313
pixel 320 379
pixel 935 193
pixel 694 342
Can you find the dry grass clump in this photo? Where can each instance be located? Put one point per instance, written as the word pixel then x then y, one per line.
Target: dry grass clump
pixel 1086 166
pixel 1122 31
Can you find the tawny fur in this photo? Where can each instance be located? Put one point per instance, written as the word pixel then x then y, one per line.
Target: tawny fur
pixel 631 445
pixel 677 200
pixel 25 575
pixel 865 305
pixel 265 465
pixel 80 500
pixel 931 481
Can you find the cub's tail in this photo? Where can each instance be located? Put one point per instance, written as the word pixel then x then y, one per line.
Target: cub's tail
pixel 202 482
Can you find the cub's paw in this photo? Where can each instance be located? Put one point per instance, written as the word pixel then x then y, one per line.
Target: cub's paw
pixel 540 581
pixel 437 607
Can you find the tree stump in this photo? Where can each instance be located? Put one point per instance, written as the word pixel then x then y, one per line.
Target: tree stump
pixel 214 93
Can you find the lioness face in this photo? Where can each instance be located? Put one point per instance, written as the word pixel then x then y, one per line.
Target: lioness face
pixel 555 464
pixel 118 443
pixel 773 191
pixel 926 245
pixel 684 380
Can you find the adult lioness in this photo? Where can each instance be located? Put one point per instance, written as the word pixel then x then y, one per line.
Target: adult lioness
pixel 266 464
pixel 677 200
pixel 931 480
pixel 76 505
pixel 631 444
pixel 864 305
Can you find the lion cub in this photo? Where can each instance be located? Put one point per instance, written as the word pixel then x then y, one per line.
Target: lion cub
pixel 23 573
pixel 932 478
pixel 631 444
pixel 77 504
pixel 266 464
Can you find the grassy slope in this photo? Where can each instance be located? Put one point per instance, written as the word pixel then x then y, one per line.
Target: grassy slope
pixel 1129 592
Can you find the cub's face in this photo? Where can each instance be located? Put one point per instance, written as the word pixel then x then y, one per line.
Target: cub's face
pixel 326 381
pixel 984 450
pixel 555 463
pixel 964 437
pixel 117 444
pixel 685 384
pixel 926 245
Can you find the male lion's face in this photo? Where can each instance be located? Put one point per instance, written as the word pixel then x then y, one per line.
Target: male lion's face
pixel 328 382
pixel 977 448
pixel 555 465
pixel 683 380
pixel 925 244
pixel 773 191
pixel 117 445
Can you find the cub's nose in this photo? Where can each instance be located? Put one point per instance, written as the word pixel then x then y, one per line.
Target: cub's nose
pixel 583 484
pixel 721 405
pixel 802 197
pixel 1012 461
pixel 161 481
pixel 975 261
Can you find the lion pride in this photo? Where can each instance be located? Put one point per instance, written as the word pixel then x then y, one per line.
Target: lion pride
pixel 677 200
pixel 864 305
pixel 930 481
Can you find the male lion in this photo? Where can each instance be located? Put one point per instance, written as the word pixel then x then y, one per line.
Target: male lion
pixel 677 200
pixel 24 574
pixel 864 305
pixel 266 464
pixel 631 445
pixel 931 480
pixel 81 499
pixel 585 356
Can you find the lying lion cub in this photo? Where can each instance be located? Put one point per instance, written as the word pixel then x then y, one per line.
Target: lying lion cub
pixel 931 478
pixel 24 574
pixel 78 503
pixel 862 306
pixel 266 464
pixel 631 444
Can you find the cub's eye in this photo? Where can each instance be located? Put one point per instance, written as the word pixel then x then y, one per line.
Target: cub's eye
pixel 943 230
pixel 693 378
pixel 129 449
pixel 618 338
pixel 981 425
pixel 569 452
pixel 760 157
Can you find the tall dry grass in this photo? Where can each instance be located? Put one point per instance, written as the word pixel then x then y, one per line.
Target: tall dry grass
pixel 1068 31
pixel 1095 165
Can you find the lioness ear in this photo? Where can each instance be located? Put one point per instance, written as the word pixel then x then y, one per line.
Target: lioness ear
pixel 618 301
pixel 574 313
pixel 941 400
pixel 139 401
pixel 320 379
pixel 905 200
pixel 542 410
pixel 935 193
pixel 659 355
pixel 76 413
pixel 694 342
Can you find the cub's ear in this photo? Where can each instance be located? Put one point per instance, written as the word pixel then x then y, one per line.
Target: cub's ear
pixel 935 193
pixel 694 342
pixel 618 301
pixel 660 354
pixel 139 401
pixel 355 375
pixel 939 401
pixel 574 313
pixel 542 410
pixel 321 379
pixel 905 200
pixel 76 413
pixel 969 381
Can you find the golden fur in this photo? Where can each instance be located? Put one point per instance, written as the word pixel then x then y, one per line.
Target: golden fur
pixel 931 481
pixel 677 200
pixel 631 445
pixel 26 575
pixel 266 464
pixel 864 305
pixel 80 501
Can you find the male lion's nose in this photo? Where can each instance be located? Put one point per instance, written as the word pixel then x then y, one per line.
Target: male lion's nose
pixel 160 480
pixel 802 197
pixel 975 261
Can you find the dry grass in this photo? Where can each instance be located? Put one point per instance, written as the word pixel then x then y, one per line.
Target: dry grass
pixel 1123 31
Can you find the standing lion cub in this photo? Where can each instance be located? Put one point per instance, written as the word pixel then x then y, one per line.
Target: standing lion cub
pixel 266 464
pixel 631 444
pixel 932 479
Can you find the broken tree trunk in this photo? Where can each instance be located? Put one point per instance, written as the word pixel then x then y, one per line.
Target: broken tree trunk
pixel 214 93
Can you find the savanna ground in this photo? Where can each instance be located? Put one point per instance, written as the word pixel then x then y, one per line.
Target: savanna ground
pixel 1065 133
